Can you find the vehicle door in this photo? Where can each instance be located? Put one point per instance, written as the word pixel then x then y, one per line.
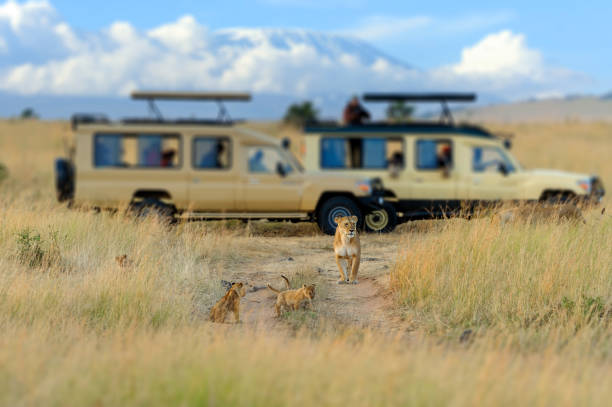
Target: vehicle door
pixel 214 178
pixel 493 176
pixel 433 177
pixel 272 183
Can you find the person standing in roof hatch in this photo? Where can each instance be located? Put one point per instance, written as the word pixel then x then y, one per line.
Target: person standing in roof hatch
pixel 354 113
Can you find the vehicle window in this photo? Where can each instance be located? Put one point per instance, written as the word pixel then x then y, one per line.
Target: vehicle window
pixel 136 150
pixel 264 160
pixel 488 159
pixel 434 154
pixel 361 152
pixel 211 153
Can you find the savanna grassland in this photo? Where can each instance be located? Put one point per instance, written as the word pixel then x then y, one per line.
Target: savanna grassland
pixel 447 313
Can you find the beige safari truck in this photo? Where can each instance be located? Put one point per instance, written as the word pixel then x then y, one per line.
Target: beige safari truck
pixel 202 169
pixel 436 168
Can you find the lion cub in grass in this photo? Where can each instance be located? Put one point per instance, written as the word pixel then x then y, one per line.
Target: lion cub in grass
pixel 229 302
pixel 293 299
pixel 347 247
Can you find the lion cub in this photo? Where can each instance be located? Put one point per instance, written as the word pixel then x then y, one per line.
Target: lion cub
pixel 229 302
pixel 347 247
pixel 293 299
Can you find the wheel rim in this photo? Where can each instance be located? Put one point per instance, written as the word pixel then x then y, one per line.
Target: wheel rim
pixel 377 220
pixel 337 211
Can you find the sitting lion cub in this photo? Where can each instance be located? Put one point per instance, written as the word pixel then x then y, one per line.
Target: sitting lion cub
pixel 293 299
pixel 347 247
pixel 229 302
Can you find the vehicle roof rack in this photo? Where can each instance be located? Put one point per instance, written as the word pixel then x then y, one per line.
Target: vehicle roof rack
pixel 442 98
pixel 218 97
pixel 87 118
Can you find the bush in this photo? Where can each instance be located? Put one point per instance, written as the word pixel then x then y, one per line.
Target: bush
pixel 399 112
pixel 28 113
pixel 34 251
pixel 299 114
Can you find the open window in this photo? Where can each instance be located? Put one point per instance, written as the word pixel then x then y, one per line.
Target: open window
pixel 268 160
pixel 144 150
pixel 432 155
pixel 211 153
pixel 491 159
pixel 361 152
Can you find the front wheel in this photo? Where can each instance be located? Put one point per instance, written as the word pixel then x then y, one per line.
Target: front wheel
pixel 334 207
pixel 381 220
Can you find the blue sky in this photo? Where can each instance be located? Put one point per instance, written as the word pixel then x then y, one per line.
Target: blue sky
pixel 515 50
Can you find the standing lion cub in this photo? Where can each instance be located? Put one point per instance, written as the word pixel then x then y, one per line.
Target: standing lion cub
pixel 229 303
pixel 347 248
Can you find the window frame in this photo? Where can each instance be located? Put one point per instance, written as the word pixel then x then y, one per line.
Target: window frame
pixel 400 138
pixel 437 140
pixel 135 135
pixel 230 163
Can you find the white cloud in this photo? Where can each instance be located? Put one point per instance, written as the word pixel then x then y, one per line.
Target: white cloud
pixel 184 35
pixel 54 59
pixel 31 14
pixel 501 54
pixel 503 63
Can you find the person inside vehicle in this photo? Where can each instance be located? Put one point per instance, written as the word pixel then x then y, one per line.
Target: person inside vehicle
pixel 354 113
pixel 256 162
pixel 167 158
pixel 220 159
pixel 396 163
pixel 445 159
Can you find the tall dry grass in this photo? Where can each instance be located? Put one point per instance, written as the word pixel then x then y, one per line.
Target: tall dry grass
pixel 77 329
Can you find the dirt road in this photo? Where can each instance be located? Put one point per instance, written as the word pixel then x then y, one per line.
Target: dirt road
pixel 311 260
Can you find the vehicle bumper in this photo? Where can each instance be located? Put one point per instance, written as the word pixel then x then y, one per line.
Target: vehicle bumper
pixel 597 191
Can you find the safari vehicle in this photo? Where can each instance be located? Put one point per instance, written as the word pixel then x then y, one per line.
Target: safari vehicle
pixel 433 169
pixel 202 169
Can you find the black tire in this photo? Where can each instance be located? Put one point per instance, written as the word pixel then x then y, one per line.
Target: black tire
pixel 151 207
pixel 337 206
pixel 64 180
pixel 383 220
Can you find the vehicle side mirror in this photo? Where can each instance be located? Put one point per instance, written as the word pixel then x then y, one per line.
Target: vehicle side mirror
pixel 501 167
pixel 280 169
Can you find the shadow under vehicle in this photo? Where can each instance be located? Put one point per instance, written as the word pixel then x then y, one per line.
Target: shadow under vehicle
pixel 433 169
pixel 202 169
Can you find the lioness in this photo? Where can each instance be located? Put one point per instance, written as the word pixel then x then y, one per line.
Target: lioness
pixel 293 298
pixel 347 247
pixel 229 302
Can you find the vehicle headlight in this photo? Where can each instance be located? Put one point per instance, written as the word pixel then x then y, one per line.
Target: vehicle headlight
pixel 364 186
pixel 585 185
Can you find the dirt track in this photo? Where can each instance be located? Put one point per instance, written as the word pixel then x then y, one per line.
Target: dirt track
pixel 311 259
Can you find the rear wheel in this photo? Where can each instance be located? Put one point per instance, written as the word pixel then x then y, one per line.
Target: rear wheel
pixel 151 207
pixel 382 220
pixel 334 207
